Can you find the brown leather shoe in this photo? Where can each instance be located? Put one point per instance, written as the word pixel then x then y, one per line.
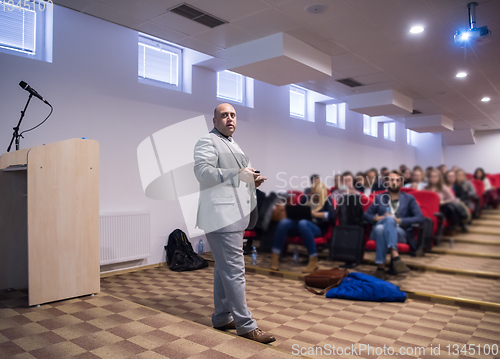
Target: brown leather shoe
pixel 230 325
pixel 259 336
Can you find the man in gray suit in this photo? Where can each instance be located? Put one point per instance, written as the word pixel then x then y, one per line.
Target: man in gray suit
pixel 225 210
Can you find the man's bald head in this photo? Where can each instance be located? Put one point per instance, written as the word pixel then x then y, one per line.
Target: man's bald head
pixel 225 119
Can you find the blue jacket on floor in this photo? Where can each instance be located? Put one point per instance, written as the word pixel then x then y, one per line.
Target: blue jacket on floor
pixel 360 286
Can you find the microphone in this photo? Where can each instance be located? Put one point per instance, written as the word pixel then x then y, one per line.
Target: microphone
pixel 32 91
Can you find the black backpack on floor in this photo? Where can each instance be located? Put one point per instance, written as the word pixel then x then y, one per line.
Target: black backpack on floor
pixel 180 254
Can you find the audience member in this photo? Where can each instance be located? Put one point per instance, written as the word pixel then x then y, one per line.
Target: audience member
pixel 402 168
pixel 490 192
pixel 464 190
pixel 323 215
pixel 428 171
pixel 406 176
pixel 347 187
pixel 373 182
pixel 417 178
pixel 443 169
pixel 359 183
pixel 449 206
pixel 393 214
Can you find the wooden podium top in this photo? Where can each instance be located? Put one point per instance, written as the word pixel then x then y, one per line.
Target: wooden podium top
pixel 20 157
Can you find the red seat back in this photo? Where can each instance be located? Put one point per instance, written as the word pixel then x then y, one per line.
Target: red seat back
pixel 493 180
pixel 408 189
pixel 479 186
pixel 429 204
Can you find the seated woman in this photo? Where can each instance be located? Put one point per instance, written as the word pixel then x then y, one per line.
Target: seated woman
pixel 406 176
pixel 417 179
pixel 323 215
pixel 455 214
pixel 464 190
pixel 490 192
pixel 347 187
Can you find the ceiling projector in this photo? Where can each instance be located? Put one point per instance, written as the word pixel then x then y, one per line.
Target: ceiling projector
pixel 476 35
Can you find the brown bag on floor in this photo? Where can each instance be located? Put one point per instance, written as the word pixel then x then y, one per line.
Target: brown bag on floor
pixel 325 279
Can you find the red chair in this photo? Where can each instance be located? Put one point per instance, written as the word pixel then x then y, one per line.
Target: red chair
pixel 321 241
pixel 370 244
pixel 408 190
pixel 429 203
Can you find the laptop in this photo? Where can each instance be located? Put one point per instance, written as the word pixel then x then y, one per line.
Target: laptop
pixel 298 212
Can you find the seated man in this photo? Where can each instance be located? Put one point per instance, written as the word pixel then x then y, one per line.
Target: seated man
pixel 393 214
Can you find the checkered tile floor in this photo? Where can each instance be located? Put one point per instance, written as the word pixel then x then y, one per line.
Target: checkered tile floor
pixel 300 319
pixel 104 326
pixel 453 285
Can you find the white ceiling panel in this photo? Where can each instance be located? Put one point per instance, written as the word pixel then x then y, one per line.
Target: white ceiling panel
pixel 367 39
pixel 180 24
pixel 317 41
pixel 75 5
pixel 225 36
pixel 359 70
pixel 347 60
pixel 114 15
pixel 232 11
pixel 334 9
pixel 146 9
pixel 343 26
pixel 201 46
pixel 266 23
pixel 379 77
pixel 161 32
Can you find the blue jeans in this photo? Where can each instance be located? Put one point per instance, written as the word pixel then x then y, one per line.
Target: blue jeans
pixel 292 228
pixel 387 235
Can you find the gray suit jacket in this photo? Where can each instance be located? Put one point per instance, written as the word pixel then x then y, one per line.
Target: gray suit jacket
pixel 226 204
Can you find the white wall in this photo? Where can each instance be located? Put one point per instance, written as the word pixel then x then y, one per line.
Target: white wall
pixel 429 149
pixel 92 84
pixel 483 154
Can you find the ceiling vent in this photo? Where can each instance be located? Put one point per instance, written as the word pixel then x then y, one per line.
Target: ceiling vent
pixel 350 82
pixel 197 15
pixel 416 112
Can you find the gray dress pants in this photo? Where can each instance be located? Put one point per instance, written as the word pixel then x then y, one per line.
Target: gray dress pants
pixel 229 282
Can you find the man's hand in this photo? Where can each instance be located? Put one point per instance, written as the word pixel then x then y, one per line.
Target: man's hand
pixel 378 218
pixel 259 180
pixel 247 174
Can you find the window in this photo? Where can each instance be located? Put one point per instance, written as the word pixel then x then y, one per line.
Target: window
pixel 335 115
pixel 370 126
pixel 160 63
pixel 26 31
pixel 297 102
pixel 390 131
pixel 408 137
pixel 230 86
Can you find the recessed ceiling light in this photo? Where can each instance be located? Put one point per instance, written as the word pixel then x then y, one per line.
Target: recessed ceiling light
pixel 461 74
pixel 316 8
pixel 485 99
pixel 416 29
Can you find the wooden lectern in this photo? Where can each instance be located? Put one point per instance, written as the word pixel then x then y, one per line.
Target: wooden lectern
pixel 49 220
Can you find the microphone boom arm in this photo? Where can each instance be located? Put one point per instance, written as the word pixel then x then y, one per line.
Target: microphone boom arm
pixel 16 135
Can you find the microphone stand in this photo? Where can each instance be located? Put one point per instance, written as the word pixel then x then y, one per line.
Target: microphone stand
pixel 16 134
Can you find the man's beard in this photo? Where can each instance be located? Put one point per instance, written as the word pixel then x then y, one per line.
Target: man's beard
pixel 394 189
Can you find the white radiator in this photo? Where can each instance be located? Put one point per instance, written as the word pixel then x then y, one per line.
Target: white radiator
pixel 124 236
